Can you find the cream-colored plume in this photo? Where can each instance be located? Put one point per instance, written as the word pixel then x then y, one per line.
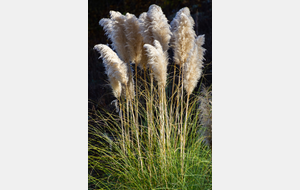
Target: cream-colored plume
pixel 134 39
pixel 200 42
pixel 158 62
pixel 114 29
pixel 154 26
pixel 145 24
pixel 159 26
pixel 120 41
pixel 107 25
pixel 183 36
pixel 116 86
pixel 144 59
pixel 115 68
pixel 123 31
pixel 193 66
pixel 174 23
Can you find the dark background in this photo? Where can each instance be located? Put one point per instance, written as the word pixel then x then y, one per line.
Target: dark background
pixel 99 93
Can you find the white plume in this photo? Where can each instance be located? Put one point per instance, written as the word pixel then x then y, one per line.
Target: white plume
pixel 183 37
pixel 134 40
pixel 114 29
pixel 115 68
pixel 193 66
pixel 186 11
pixel 159 27
pixel 158 62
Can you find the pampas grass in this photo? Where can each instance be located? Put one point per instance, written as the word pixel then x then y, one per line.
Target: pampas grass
pixel 116 69
pixel 134 38
pixel 107 25
pixel 154 26
pixel 123 31
pixel 158 62
pixel 144 145
pixel 192 72
pixel 175 22
pixel 182 43
pixel 159 27
pixel 183 35
pixel 193 66
pixel 119 40
pixel 145 28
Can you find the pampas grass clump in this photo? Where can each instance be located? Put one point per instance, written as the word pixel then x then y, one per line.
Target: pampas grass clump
pixel 154 140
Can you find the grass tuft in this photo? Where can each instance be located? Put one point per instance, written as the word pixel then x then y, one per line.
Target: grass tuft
pixel 158 136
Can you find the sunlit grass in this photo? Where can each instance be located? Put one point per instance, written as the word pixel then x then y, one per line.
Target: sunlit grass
pixel 116 162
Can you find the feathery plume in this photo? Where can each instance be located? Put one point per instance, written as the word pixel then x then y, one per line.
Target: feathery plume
pixel 183 35
pixel 200 42
pixel 114 29
pixel 119 35
pixel 115 68
pixel 158 62
pixel 116 86
pixel 144 24
pixel 193 66
pixel 144 59
pixel 122 44
pixel 107 25
pixel 154 26
pixel 160 28
pixel 134 40
pixel 174 23
pixel 126 40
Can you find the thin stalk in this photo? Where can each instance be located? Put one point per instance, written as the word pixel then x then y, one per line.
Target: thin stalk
pixel 167 121
pixel 137 136
pixel 162 131
pixel 181 127
pixel 162 123
pixel 136 95
pixel 151 124
pixel 181 102
pixel 167 153
pixel 184 130
pixel 151 98
pixel 122 125
pixel 176 121
pixel 172 95
pixel 147 106
pixel 127 119
pixel 178 90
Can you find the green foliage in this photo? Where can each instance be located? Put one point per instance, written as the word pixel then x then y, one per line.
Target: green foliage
pixel 130 153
